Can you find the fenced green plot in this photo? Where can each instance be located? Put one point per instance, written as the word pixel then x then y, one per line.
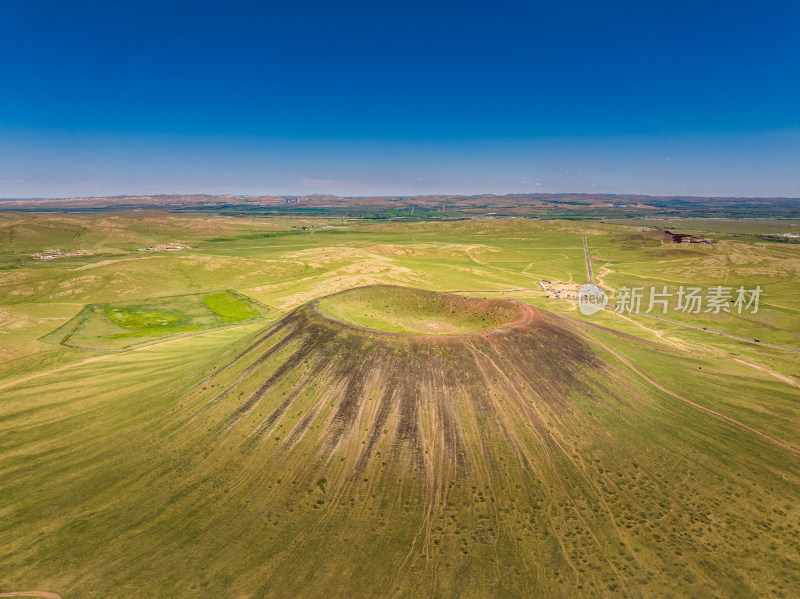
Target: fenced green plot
pixel 114 327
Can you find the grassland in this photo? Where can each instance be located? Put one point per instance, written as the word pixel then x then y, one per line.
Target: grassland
pixel 296 456
pixel 740 226
pixel 124 326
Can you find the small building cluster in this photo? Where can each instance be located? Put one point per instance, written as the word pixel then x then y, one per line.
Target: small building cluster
pixel 686 238
pixel 56 253
pixel 559 290
pixel 168 247
pixel 561 294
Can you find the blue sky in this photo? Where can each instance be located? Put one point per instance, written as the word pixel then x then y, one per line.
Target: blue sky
pixel 360 98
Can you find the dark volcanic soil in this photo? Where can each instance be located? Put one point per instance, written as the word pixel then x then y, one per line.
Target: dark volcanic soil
pixel 426 402
pixel 326 459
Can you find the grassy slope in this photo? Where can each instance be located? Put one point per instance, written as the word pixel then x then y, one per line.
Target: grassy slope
pixel 587 481
pixel 106 487
pixel 720 225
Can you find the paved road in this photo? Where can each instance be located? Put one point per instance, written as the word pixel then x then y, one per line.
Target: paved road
pixel 588 262
pixel 591 280
pixel 740 338
pixel 612 307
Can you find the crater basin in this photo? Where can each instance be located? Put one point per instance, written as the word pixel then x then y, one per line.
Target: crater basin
pixel 396 309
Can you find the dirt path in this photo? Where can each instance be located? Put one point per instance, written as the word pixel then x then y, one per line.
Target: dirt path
pixel 53 371
pixel 491 290
pixel 42 594
pixel 738 337
pixel 514 273
pixel 107 356
pixel 790 448
pixel 606 270
pixel 611 307
pixel 777 375
pixel 659 334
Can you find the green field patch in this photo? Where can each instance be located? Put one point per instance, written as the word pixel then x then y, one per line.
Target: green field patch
pixel 137 318
pixel 229 307
pixel 115 327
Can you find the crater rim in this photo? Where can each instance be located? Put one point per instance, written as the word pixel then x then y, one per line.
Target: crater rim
pixel 524 313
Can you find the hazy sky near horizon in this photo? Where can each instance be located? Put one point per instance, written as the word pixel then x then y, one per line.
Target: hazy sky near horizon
pixel 363 98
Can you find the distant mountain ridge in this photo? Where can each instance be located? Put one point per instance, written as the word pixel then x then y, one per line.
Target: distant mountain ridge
pixel 520 204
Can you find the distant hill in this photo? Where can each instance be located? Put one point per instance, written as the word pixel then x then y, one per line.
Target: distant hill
pixel 434 206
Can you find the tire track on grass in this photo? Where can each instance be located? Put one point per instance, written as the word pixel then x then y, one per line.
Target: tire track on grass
pixel 40 594
pixel 775 441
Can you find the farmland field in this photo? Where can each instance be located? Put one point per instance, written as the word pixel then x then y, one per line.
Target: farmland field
pixel 123 326
pixel 279 412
